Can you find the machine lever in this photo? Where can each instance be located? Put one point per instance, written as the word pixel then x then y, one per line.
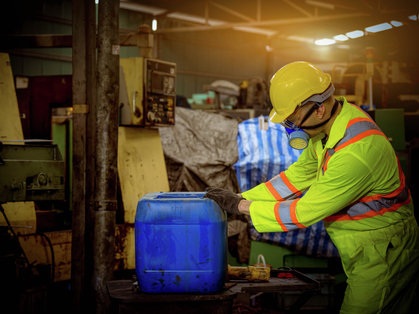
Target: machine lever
pixel 133 101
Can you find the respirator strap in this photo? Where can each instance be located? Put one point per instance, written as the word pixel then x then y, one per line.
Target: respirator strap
pixel 335 106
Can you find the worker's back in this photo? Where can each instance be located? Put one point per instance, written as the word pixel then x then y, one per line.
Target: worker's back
pixel 382 195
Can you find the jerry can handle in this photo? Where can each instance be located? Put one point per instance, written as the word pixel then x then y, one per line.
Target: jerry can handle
pixel 178 196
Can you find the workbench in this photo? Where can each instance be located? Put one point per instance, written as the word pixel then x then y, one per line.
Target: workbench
pixel 126 297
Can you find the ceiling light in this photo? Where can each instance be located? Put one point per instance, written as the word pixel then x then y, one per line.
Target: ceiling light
pixel 154 25
pixel 340 37
pixel 325 41
pixel 355 34
pixel 396 23
pixel 321 4
pixel 378 28
pixel 413 17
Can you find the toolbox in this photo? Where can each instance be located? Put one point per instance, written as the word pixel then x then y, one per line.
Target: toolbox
pixel 180 243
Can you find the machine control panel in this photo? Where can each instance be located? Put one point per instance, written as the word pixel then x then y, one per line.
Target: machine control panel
pixel 161 92
pixel 160 109
pixel 150 96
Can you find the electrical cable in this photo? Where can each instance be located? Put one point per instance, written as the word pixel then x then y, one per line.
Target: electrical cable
pixel 52 252
pixel 37 233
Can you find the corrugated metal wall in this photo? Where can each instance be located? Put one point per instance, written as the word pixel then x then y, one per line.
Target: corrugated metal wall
pixel 204 57
pixel 40 17
pixel 201 57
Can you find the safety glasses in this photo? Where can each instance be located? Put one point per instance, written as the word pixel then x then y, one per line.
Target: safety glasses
pixel 318 99
pixel 291 122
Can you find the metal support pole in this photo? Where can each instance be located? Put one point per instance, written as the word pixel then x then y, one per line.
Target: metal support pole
pixel 91 99
pixel 79 154
pixel 100 231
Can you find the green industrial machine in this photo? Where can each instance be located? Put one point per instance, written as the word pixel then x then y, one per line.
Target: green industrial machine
pixel 391 122
pixel 27 173
pixel 31 173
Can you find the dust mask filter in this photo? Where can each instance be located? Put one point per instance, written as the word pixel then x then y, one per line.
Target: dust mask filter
pixel 297 139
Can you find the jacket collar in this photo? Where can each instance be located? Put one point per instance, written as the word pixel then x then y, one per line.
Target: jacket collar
pixel 338 129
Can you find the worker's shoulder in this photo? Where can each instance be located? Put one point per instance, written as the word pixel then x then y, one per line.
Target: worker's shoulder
pixel 368 143
pixel 361 129
pixel 373 151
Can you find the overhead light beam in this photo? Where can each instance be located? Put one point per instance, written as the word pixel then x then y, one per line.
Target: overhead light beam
pixel 321 4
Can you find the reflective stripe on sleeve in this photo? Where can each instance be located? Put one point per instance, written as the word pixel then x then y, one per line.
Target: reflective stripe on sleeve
pixel 278 217
pixel 273 191
pixel 281 188
pixel 286 215
pixel 293 214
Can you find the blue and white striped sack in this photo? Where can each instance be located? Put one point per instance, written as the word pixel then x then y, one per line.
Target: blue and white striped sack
pixel 262 155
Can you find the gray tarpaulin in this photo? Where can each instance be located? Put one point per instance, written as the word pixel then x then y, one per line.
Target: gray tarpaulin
pixel 200 151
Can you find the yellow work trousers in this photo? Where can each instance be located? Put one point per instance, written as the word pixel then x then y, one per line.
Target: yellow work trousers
pixel 383 269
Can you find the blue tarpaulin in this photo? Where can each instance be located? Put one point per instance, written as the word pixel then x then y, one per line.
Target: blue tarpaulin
pixel 262 155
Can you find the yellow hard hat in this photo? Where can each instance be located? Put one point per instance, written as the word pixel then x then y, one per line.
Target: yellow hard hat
pixel 293 85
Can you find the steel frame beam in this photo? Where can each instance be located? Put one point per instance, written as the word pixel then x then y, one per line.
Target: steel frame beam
pixel 50 41
pixel 291 21
pixel 297 7
pixel 231 11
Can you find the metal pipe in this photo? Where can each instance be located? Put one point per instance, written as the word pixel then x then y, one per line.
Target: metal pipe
pixel 91 74
pixel 91 69
pixel 102 210
pixel 79 156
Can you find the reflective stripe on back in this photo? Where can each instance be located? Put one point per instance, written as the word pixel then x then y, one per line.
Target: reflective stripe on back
pixel 374 205
pixel 356 130
pixel 369 206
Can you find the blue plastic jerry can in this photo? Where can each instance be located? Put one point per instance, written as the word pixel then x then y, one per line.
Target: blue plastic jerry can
pixel 180 243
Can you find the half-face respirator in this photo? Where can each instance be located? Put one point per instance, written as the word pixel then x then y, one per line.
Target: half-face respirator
pixel 297 138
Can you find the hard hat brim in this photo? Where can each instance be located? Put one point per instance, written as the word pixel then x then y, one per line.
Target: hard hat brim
pixel 275 117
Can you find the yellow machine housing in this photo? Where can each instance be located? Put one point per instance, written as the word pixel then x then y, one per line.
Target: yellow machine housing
pixel 150 103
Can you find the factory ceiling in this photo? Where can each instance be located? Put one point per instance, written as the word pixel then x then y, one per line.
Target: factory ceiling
pixel 293 22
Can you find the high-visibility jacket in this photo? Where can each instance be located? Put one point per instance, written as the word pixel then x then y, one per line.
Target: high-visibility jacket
pixel 354 183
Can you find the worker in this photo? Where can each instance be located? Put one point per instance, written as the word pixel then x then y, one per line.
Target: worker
pixel 348 176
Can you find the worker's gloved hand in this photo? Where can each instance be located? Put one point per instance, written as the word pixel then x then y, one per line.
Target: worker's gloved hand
pixel 227 200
